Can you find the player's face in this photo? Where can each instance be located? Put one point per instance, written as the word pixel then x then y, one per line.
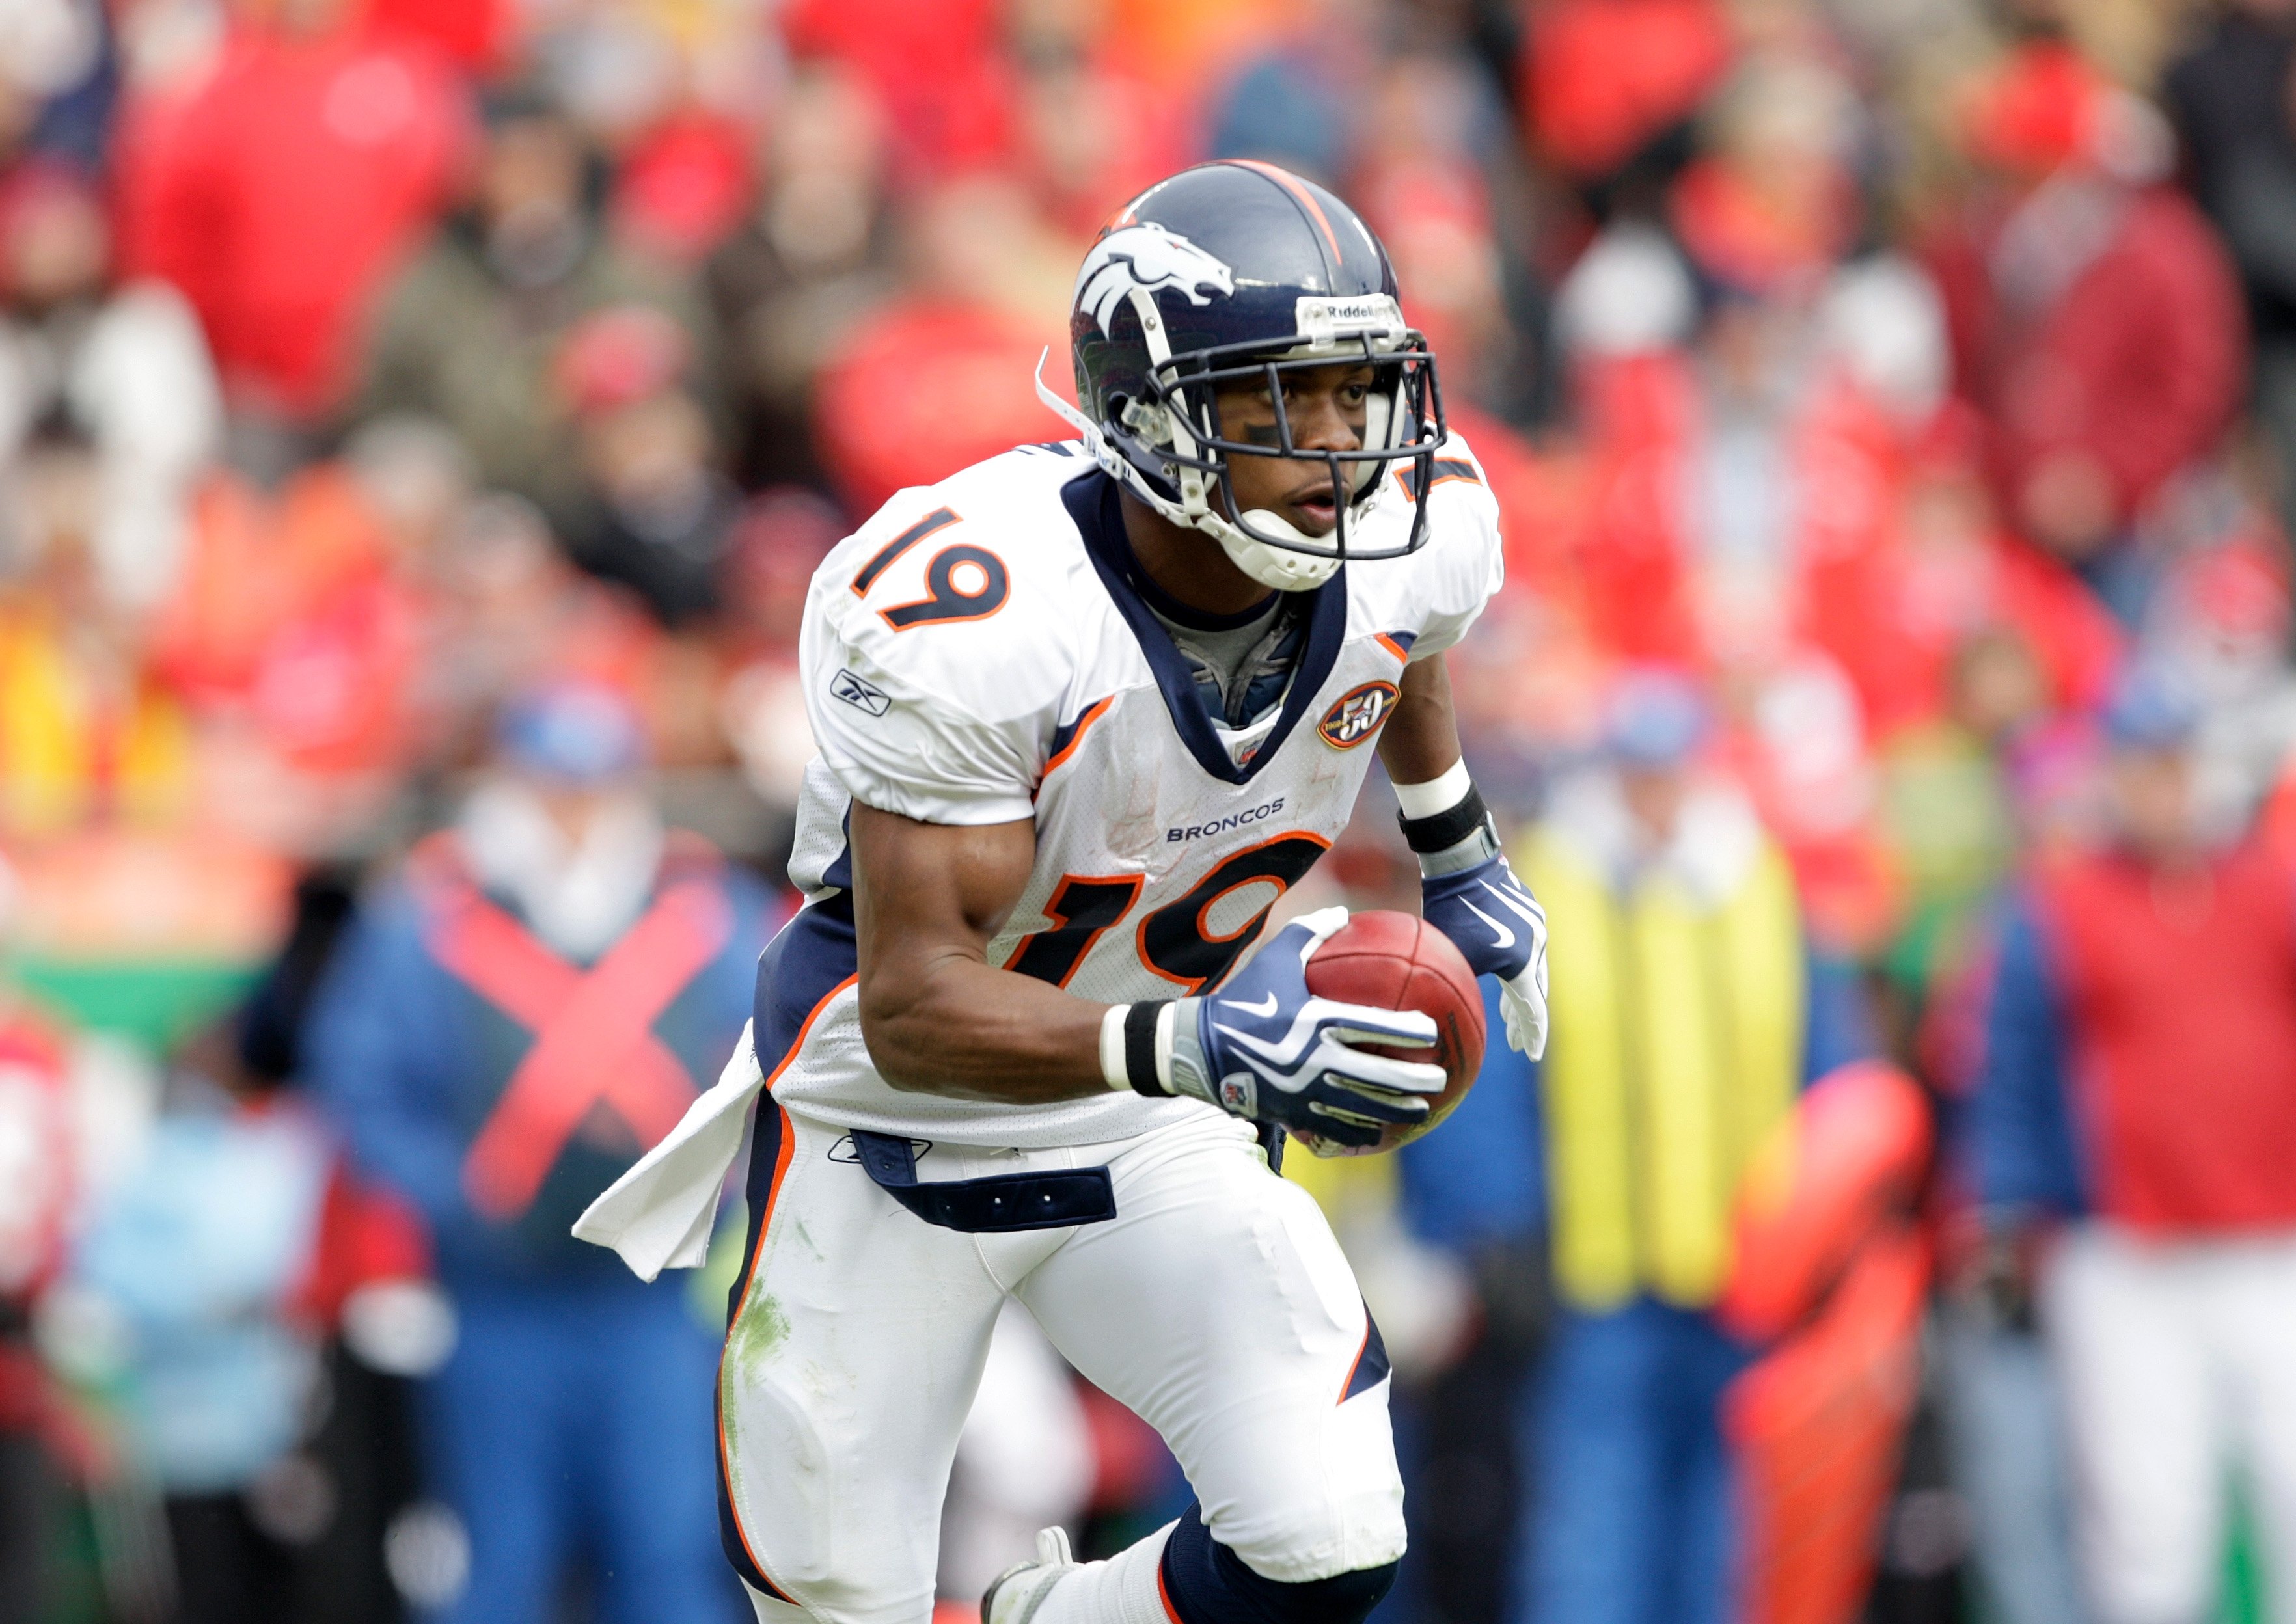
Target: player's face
pixel 1326 408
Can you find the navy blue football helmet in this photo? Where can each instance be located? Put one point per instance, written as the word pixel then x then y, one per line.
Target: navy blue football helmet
pixel 1231 273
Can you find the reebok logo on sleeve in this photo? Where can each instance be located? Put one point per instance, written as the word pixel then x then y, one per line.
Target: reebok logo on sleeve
pixel 859 693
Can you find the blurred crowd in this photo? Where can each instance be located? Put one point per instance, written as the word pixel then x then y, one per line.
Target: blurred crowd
pixel 419 422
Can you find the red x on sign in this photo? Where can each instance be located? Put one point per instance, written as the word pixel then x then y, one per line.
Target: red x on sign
pixel 593 1031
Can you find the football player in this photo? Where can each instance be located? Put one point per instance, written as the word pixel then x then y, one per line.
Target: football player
pixel 1085 711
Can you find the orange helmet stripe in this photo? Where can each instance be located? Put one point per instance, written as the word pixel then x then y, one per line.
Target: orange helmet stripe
pixel 1291 182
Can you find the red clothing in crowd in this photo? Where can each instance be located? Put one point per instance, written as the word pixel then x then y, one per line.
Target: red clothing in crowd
pixel 2130 354
pixel 2178 999
pixel 878 408
pixel 35 1192
pixel 289 612
pixel 367 1233
pixel 1600 78
pixel 937 67
pixel 474 33
pixel 279 193
pixel 1889 610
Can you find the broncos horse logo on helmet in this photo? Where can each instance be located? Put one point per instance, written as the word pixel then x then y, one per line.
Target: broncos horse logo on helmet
pixel 1226 276
pixel 1148 258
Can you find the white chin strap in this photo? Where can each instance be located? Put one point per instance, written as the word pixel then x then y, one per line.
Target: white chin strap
pixel 1276 567
pixel 1279 568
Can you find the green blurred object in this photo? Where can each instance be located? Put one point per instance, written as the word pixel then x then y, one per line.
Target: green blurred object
pixel 156 1003
pixel 74 1589
pixel 2243 1599
pixel 708 1288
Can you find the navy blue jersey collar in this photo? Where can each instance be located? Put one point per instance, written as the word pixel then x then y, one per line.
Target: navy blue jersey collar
pixel 1096 503
pixel 1169 607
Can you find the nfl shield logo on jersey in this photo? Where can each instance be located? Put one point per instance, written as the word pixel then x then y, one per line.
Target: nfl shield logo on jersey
pixel 1357 715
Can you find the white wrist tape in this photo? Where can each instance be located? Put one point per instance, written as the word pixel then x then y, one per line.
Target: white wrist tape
pixel 1441 795
pixel 1112 1049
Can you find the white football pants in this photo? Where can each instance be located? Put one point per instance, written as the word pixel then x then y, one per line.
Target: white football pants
pixel 2178 1360
pixel 1216 1305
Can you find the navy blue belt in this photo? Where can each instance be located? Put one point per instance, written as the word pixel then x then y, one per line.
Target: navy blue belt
pixel 996 1205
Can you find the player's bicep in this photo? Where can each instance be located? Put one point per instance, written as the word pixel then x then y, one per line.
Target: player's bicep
pixel 923 891
pixel 1421 740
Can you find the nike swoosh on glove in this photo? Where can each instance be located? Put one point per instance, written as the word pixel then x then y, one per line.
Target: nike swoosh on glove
pixel 1500 930
pixel 1266 1048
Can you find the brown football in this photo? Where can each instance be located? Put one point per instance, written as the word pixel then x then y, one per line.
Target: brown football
pixel 1397 961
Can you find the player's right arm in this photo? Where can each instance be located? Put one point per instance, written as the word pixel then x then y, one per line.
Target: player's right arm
pixel 936 1016
pixel 934 674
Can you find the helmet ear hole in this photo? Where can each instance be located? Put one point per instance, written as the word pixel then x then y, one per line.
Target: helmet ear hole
pixel 1145 420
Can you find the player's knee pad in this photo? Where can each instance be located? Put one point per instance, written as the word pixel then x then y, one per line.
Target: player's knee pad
pixel 1209 1584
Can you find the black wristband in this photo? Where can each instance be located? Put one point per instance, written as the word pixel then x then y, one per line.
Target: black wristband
pixel 1140 1050
pixel 1445 829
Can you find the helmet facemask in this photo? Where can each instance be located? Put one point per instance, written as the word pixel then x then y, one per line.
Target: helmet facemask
pixel 1171 449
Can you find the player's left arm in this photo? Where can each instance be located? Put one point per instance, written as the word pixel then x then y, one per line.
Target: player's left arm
pixel 1466 889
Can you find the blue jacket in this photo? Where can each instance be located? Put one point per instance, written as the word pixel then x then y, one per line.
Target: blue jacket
pixel 2021 1141
pixel 412 1062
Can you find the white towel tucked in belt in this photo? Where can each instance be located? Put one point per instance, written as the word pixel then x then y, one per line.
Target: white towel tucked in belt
pixel 658 1214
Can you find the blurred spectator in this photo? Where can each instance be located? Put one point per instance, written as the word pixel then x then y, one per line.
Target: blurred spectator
pixel 2142 1029
pixel 473 34
pixel 36 1195
pixel 366 1290
pixel 535 1001
pixel 1609 88
pixel 939 72
pixel 1288 102
pixel 1479 1198
pixel 658 515
pixel 125 368
pixel 294 633
pixel 511 613
pixel 2235 106
pixel 1419 183
pixel 476 332
pixel 1685 1025
pixel 280 189
pixel 784 536
pixel 2095 317
pixel 682 188
pixel 2006 1430
pixel 1947 802
pixel 989 282
pixel 814 255
pixel 86 732
pixel 1093 130
pixel 1749 398
pixel 2219 621
pixel 199 1296
pixel 59 79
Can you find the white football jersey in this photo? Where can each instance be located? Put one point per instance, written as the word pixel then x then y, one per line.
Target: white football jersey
pixel 975 654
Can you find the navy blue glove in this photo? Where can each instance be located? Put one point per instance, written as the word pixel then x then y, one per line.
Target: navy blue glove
pixel 1265 1047
pixel 1500 930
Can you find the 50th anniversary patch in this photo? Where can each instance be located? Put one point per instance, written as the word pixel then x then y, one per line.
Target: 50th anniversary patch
pixel 1356 714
